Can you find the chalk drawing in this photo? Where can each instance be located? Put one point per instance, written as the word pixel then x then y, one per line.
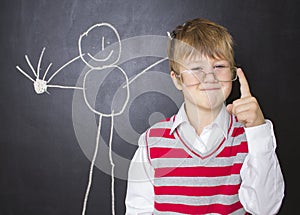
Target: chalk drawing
pixel 95 63
pixel 112 114
pixel 41 85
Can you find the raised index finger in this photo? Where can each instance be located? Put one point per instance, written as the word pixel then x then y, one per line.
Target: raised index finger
pixel 244 86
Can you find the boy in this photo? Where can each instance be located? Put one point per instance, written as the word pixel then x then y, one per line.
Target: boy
pixel 208 158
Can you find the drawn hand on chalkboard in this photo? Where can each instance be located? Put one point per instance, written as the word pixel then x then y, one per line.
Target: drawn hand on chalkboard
pixel 40 84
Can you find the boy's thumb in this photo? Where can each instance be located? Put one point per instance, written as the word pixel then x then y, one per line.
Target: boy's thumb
pixel 229 108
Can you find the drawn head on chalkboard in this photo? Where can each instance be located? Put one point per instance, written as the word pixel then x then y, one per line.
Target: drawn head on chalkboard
pixel 100 46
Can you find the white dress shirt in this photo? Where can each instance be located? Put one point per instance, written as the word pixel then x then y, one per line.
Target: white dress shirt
pixel 262 187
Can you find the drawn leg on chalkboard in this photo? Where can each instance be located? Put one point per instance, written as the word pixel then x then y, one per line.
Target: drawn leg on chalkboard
pixel 40 84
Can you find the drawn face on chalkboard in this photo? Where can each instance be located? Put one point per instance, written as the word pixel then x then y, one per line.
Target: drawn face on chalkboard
pixel 100 46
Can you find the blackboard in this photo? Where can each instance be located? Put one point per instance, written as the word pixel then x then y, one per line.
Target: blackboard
pixel 48 140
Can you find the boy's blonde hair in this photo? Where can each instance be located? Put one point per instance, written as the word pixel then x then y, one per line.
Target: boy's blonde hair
pixel 199 37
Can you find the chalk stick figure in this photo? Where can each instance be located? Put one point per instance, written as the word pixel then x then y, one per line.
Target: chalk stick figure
pixel 97 61
pixel 98 64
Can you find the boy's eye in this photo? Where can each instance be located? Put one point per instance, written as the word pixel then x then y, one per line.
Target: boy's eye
pixel 196 69
pixel 220 66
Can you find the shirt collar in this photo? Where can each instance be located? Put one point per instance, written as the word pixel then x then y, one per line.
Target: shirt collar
pixel 222 120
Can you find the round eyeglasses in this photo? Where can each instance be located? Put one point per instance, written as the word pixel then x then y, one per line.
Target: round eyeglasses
pixel 196 76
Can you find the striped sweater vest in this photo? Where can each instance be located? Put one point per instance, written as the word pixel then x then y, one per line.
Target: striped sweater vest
pixel 186 182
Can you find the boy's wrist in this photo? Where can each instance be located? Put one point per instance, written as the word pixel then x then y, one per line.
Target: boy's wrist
pixel 261 138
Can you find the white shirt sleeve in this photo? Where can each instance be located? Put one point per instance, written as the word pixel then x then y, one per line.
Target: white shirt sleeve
pixel 140 192
pixel 262 188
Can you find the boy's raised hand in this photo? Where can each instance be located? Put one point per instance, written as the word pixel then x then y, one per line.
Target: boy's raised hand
pixel 246 109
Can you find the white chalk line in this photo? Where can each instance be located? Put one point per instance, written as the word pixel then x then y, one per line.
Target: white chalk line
pixel 65 87
pixel 39 63
pixel 92 167
pixel 24 73
pixel 55 73
pixel 30 65
pixel 101 60
pixel 112 165
pixel 145 70
pixel 47 71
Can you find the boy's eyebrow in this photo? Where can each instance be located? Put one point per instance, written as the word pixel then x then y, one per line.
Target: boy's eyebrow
pixel 199 64
pixel 193 66
pixel 191 62
pixel 221 60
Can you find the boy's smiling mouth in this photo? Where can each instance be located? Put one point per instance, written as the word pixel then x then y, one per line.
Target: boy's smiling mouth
pixel 210 89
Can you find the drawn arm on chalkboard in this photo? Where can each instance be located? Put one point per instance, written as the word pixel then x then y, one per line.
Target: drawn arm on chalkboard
pixel 40 84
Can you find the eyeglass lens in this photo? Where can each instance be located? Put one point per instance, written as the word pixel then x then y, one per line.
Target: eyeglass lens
pixel 222 74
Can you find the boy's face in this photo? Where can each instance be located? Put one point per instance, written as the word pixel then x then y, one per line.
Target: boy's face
pixel 199 83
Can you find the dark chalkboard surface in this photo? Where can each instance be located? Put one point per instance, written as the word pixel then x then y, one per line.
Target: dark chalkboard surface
pixel 48 139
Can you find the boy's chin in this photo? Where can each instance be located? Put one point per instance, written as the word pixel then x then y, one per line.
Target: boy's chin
pixel 211 103
pixel 212 107
pixel 209 106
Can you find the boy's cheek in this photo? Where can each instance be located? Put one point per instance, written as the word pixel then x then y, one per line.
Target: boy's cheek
pixel 226 89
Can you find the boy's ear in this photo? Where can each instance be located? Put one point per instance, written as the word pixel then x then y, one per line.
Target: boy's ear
pixel 176 80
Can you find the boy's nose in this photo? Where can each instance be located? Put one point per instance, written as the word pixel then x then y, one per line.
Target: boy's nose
pixel 209 77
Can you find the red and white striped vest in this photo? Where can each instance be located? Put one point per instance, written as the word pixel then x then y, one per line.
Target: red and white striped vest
pixel 186 182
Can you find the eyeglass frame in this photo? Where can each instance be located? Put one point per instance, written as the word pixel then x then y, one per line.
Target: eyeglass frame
pixel 233 69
